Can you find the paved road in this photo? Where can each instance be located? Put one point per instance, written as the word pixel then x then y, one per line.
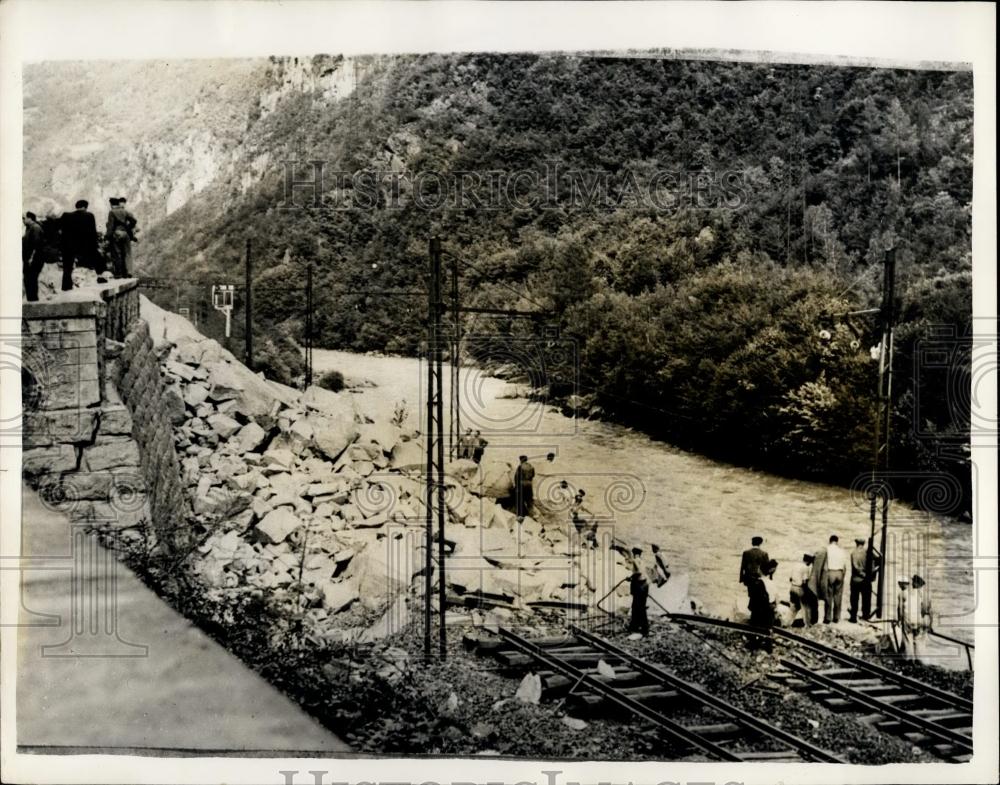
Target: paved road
pixel 107 664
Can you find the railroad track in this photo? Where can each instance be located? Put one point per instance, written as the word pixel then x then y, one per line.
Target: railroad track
pixel 568 668
pixel 928 716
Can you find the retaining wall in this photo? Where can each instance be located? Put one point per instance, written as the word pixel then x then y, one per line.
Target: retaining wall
pixel 96 441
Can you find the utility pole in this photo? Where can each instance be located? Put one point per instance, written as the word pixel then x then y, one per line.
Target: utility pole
pixel 435 453
pixel 456 361
pixel 248 309
pixel 883 423
pixel 309 326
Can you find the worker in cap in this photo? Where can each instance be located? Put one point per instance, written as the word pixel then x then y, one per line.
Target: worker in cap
pixel 638 624
pixel 861 585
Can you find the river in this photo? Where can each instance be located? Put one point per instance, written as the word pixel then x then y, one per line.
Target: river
pixel 701 512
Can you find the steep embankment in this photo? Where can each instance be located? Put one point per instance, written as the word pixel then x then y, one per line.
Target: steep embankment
pixel 303 497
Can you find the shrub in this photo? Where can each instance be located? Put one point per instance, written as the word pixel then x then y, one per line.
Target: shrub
pixel 332 380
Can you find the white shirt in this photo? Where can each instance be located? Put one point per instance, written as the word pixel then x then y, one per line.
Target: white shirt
pixel 800 574
pixel 836 558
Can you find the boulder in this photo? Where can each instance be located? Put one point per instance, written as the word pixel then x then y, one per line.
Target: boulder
pixel 384 434
pixel 497 479
pixel 250 437
pixel 277 525
pixel 195 394
pixel 173 405
pixel 332 435
pixel 338 596
pixel 279 458
pixel 228 381
pixel 188 351
pixel 179 370
pixel 329 403
pixel 407 455
pixel 223 425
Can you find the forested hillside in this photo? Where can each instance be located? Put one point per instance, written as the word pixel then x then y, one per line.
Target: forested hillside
pixel 696 228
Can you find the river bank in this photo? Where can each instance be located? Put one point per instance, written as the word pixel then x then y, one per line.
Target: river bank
pixel 701 512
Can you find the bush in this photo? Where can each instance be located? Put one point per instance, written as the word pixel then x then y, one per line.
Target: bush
pixel 332 380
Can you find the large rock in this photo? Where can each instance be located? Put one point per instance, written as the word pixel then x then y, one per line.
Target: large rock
pixel 384 434
pixel 330 403
pixel 195 394
pixel 223 425
pixel 233 381
pixel 338 596
pixel 250 437
pixel 407 455
pixel 277 525
pixel 497 479
pixel 332 435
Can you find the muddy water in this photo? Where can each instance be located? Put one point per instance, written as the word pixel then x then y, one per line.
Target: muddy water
pixel 702 513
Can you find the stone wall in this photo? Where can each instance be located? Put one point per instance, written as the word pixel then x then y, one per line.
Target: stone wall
pixel 104 458
pixel 134 370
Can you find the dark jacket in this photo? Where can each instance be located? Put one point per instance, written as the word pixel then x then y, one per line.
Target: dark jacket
pixel 32 241
pixel 753 563
pixel 120 218
pixel 79 233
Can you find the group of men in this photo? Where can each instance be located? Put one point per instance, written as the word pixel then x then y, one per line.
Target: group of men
pixel 79 244
pixel 472 445
pixel 820 576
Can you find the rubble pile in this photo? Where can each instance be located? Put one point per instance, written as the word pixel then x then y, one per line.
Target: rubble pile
pixel 300 494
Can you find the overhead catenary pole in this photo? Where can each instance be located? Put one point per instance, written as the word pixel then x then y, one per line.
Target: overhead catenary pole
pixel 456 361
pixel 309 326
pixel 883 423
pixel 435 447
pixel 248 309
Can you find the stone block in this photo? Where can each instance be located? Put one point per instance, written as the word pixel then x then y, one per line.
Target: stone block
pixel 277 525
pixel 223 425
pixel 195 394
pixel 250 437
pixel 60 425
pixel 339 596
pixel 110 453
pixel 115 421
pixel 48 460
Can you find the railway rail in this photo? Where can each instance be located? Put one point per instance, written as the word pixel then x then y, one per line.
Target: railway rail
pixel 568 666
pixel 938 720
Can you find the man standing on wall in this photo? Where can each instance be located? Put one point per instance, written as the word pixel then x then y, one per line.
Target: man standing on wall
pixel 32 256
pixel 79 241
pixel 120 234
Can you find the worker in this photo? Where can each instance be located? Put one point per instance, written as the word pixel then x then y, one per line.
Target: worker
pixel 752 566
pixel 662 573
pixel 770 610
pixel 836 567
pixel 32 255
pixel 902 613
pixel 478 446
pixel 524 490
pixel 638 624
pixel 800 597
pixel 916 619
pixel 465 444
pixel 861 587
